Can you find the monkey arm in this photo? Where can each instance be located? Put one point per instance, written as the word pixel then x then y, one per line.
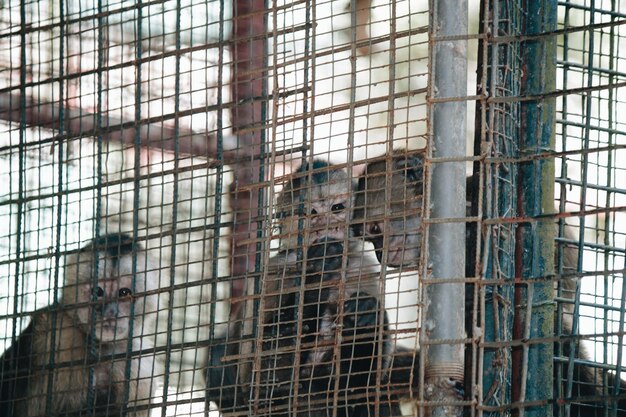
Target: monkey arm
pixel 221 378
pixel 621 402
pixel 15 367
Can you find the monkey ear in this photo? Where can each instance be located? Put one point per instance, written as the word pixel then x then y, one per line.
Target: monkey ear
pixel 412 165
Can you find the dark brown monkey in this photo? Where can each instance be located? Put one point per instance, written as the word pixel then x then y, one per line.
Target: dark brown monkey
pixel 230 382
pixel 398 199
pixel 90 329
pixel 397 204
pixel 314 208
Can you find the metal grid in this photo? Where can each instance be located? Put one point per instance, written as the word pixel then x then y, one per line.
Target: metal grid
pixel 591 136
pixel 520 84
pixel 182 125
pixel 109 110
pixel 497 131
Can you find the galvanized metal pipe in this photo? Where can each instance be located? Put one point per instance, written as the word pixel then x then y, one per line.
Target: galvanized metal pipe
pixel 445 303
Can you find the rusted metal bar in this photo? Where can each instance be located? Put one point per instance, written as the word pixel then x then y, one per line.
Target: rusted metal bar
pixel 249 55
pixel 78 123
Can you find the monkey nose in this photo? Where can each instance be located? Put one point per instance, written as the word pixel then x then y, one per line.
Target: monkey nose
pixel 110 310
pixel 319 221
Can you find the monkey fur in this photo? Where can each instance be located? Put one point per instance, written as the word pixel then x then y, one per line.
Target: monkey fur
pixel 89 328
pixel 315 206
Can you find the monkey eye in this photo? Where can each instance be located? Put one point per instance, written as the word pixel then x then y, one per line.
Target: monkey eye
pixel 98 292
pixel 313 211
pixel 338 207
pixel 124 292
pixel 375 229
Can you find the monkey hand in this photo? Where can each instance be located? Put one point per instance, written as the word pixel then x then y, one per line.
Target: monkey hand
pixel 360 312
pixel 324 259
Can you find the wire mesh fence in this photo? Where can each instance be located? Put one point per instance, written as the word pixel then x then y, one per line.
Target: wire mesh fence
pixel 590 61
pixel 230 208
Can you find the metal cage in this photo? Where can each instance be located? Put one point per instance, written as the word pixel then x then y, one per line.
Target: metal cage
pixel 250 208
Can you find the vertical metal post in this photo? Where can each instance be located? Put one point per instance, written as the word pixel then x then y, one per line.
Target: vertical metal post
pixel 497 134
pixel 535 240
pixel 249 87
pixel 249 90
pixel 445 302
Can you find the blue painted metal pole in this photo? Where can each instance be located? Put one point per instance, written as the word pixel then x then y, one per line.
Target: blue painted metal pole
pixel 535 243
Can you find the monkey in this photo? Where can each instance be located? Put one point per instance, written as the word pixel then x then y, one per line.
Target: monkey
pixel 315 206
pixel 359 350
pixel 361 340
pixel 327 192
pixel 73 357
pixel 402 203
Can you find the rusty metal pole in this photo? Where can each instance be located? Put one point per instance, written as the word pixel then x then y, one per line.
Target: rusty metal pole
pixel 249 72
pixel 249 75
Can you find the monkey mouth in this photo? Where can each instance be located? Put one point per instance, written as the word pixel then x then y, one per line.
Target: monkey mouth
pixel 110 325
pixel 111 332
pixel 336 233
pixel 401 253
pixel 395 258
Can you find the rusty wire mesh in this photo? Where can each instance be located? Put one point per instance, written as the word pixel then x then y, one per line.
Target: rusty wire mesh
pixel 183 126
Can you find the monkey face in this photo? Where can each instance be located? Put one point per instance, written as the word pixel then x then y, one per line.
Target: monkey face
pixel 326 218
pixel 388 210
pixel 111 308
pixel 111 302
pixel 403 240
pixel 316 209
